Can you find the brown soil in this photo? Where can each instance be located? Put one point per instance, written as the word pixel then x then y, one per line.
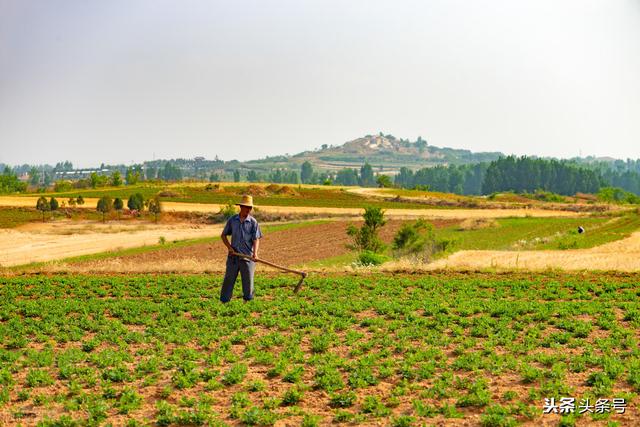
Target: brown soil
pixel 254 190
pixel 286 190
pixel 169 193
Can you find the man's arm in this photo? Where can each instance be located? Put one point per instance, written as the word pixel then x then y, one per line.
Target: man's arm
pixel 226 231
pixel 256 246
pixel 225 240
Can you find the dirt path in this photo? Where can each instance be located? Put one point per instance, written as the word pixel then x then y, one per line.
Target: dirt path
pixel 61 239
pixel 621 255
pixel 391 213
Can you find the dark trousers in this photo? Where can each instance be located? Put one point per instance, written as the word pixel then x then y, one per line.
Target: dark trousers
pixel 246 268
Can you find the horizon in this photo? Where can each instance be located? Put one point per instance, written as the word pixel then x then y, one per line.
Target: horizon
pixel 142 161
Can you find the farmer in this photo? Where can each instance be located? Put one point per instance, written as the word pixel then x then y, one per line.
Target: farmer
pixel 245 234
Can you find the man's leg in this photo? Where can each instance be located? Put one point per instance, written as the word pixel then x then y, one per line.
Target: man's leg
pixel 230 277
pixel 247 268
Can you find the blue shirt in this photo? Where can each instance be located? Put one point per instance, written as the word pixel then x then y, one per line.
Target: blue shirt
pixel 243 233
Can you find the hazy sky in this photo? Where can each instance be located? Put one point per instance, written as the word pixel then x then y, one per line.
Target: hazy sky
pixel 122 81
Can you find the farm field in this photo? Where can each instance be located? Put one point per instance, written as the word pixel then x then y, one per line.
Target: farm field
pixel 314 244
pixel 61 239
pixel 309 196
pixel 264 195
pixel 620 255
pixel 416 211
pixel 288 244
pixel 401 350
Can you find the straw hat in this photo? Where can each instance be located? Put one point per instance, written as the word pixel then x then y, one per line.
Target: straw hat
pixel 246 201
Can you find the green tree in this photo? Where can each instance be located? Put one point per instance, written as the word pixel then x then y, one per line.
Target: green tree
pixel 132 177
pixel 9 182
pixel 136 202
pixel 105 205
pixel 43 206
pixel 80 200
pixel 252 176
pixel 171 172
pixel 116 179
pixel 34 176
pixel 421 144
pixel 366 237
pixel 366 176
pixel 118 205
pixel 306 173
pixel 214 177
pixel 155 207
pixel 94 179
pixel 151 172
pixel 236 175
pixel 347 177
pixel 48 179
pixel 53 205
pixel 384 181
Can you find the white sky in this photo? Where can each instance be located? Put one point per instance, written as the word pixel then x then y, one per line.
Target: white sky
pixel 121 81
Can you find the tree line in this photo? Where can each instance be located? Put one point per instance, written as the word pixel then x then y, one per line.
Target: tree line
pixel 520 175
pixel 136 204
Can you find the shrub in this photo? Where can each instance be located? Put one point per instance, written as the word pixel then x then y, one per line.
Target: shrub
pixel 43 206
pixel 617 195
pixel 62 185
pixel 371 258
pixel 155 207
pixel 546 196
pixel 136 202
pixel 228 210
pixel 366 237
pixel 418 239
pixel 118 205
pixel 105 205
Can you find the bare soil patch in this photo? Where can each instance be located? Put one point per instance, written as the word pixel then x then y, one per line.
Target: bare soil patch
pixel 38 242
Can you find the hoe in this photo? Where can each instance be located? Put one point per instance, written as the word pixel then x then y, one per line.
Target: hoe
pixel 302 274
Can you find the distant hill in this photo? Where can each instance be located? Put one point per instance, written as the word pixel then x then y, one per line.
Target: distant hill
pixel 384 152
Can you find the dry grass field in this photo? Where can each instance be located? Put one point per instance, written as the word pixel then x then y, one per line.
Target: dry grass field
pixel 621 255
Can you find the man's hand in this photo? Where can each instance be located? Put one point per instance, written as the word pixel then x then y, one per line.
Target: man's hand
pixel 254 256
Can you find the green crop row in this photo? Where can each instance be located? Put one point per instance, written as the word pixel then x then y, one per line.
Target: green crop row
pixel 398 350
